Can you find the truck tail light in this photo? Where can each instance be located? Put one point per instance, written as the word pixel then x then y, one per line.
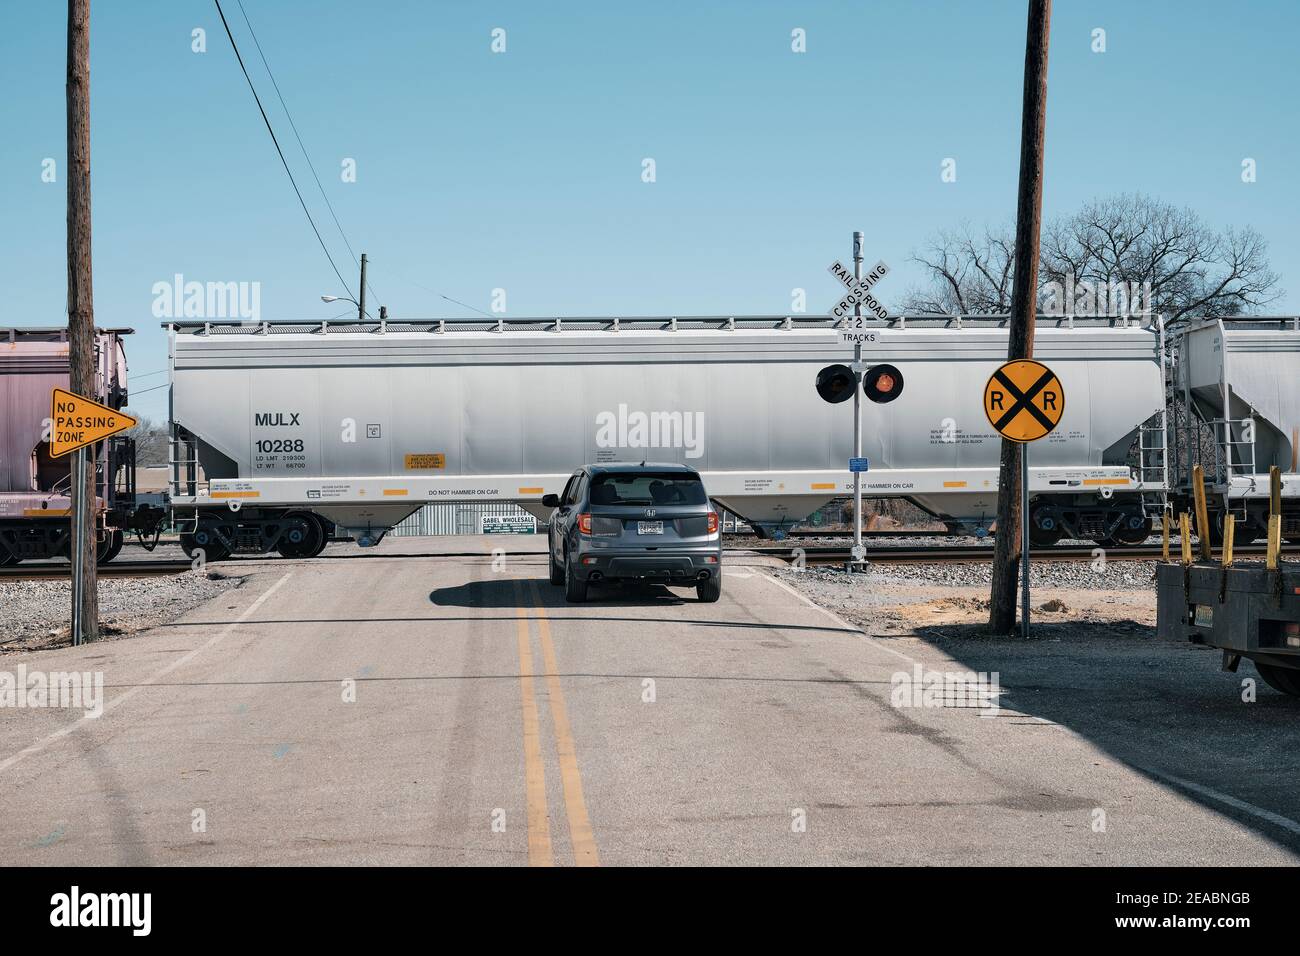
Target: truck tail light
pixel 713 522
pixel 584 524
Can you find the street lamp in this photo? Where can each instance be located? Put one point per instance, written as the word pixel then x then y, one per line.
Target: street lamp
pixel 361 306
pixel 383 310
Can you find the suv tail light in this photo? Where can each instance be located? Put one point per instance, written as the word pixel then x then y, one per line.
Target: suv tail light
pixel 713 522
pixel 584 524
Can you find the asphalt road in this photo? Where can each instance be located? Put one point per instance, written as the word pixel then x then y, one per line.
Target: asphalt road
pixel 494 724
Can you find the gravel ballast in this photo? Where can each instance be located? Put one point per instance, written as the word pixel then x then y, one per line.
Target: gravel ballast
pixel 1114 575
pixel 34 614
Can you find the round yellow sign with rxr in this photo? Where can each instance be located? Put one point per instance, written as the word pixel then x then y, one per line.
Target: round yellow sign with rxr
pixel 1024 400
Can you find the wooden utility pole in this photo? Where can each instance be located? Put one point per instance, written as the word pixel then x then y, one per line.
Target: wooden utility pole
pixel 361 299
pixel 81 314
pixel 1024 306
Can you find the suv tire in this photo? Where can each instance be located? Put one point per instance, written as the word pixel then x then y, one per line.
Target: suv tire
pixel 709 591
pixel 575 591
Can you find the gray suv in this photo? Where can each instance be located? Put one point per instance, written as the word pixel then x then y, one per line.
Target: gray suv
pixel 627 522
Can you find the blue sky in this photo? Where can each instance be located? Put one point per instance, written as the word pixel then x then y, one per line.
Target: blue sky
pixel 522 170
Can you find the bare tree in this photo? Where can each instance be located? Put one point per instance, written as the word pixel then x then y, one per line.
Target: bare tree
pixel 1185 266
pixel 151 441
pixel 969 274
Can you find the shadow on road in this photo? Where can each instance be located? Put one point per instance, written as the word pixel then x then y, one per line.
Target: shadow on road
pixel 1164 708
pixel 501 592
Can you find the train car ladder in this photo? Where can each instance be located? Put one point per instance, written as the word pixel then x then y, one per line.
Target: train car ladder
pixel 1238 453
pixel 183 466
pixel 1153 465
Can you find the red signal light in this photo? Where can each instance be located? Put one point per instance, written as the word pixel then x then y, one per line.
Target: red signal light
pixel 882 383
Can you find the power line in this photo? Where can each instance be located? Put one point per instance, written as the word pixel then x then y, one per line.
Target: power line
pixel 437 293
pixel 460 303
pixel 302 146
pixel 278 150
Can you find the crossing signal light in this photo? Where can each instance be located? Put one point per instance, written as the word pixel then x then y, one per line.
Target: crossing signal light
pixel 835 383
pixel 882 383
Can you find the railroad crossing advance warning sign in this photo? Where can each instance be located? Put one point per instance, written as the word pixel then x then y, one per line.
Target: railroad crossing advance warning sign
pixel 76 422
pixel 1024 400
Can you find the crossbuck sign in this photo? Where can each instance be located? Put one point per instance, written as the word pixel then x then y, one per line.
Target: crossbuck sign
pixel 852 330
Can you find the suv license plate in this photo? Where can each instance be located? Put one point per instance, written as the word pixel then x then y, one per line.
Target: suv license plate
pixel 649 527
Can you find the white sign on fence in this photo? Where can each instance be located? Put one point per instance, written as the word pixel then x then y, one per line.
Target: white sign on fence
pixel 507 524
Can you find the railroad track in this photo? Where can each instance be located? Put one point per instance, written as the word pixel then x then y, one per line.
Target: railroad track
pixel 823 533
pixel 953 554
pixel 970 554
pixel 114 569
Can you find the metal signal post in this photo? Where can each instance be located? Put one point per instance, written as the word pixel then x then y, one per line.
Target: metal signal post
pixel 81 554
pixel 1024 541
pixel 858 553
pixel 883 383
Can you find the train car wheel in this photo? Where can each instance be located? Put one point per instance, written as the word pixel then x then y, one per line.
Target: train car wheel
pixel 1127 537
pixel 212 552
pixel 6 558
pixel 115 541
pixel 324 537
pixel 1216 529
pixel 206 542
pixel 1285 679
pixel 1041 538
pixel 310 534
pixel 320 548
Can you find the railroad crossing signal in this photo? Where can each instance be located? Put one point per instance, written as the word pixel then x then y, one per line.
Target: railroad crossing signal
pixel 1024 400
pixel 836 383
pixel 859 295
pixel 880 383
pixel 76 422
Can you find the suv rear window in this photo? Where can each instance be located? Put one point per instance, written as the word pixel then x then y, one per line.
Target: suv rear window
pixel 648 488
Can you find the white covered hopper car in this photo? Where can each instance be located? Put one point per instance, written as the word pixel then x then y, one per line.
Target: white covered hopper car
pixel 276 425
pixel 1240 379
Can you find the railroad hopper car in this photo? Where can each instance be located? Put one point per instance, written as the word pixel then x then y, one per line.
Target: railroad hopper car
pixel 34 488
pixel 278 426
pixel 1240 378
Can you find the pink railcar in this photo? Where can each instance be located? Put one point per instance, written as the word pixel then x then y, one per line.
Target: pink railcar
pixel 34 488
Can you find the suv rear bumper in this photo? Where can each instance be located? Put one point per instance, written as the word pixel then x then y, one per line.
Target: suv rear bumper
pixel 684 567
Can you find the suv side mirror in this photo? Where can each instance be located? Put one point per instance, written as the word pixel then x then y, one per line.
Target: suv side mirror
pixel 550 501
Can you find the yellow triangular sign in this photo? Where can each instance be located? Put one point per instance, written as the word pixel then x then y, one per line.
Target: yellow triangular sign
pixel 76 422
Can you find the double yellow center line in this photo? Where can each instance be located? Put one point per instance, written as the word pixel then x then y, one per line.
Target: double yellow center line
pixel 540 850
